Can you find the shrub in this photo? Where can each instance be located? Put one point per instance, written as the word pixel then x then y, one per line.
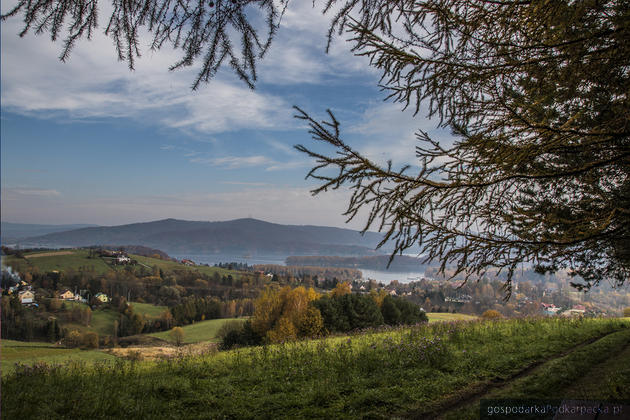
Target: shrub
pixel 236 333
pixel 177 335
pixel 391 313
pixel 90 340
pixel 73 339
pixel 491 314
pixel 626 312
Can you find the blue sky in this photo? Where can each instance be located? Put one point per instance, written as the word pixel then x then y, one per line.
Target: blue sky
pixel 88 141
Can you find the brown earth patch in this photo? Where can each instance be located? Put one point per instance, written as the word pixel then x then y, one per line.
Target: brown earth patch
pixel 163 352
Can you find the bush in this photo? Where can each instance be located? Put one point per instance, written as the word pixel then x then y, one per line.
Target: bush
pixel 390 311
pixel 73 339
pixel 491 314
pixel 236 334
pixel 228 327
pixel 349 312
pixel 90 340
pixel 626 312
pixel 177 335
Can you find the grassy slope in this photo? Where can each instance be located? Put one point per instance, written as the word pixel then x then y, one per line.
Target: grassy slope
pixel 147 310
pixel 444 316
pixel 78 259
pixel 102 322
pixel 199 331
pixel 599 371
pixel 377 375
pixel 171 265
pixel 29 353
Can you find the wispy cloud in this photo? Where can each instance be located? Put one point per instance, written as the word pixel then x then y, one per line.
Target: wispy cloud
pixel 387 132
pixel 37 192
pixel 150 94
pixel 234 162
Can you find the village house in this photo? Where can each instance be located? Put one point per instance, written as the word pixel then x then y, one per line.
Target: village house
pixel 549 308
pixel 123 259
pixel 66 295
pixel 26 297
pixel 577 310
pixel 102 297
pixel 188 262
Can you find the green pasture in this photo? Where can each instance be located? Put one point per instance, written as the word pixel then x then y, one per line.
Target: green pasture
pixel 172 265
pixel 199 331
pixel 148 310
pixel 77 260
pixel 102 322
pixel 403 372
pixel 445 316
pixel 29 353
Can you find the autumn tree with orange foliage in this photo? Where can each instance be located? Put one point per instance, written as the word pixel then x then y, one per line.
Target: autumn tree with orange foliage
pixel 286 314
pixel 341 289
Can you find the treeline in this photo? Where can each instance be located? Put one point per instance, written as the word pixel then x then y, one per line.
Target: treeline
pixel 150 285
pixel 377 262
pixel 235 266
pixel 192 309
pixel 328 273
pixel 21 323
pixel 288 314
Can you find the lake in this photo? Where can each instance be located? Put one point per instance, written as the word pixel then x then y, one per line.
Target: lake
pixel 379 275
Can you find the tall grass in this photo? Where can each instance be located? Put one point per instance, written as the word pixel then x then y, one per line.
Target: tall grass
pixel 379 373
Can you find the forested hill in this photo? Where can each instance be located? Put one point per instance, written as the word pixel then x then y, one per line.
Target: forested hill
pixel 376 262
pixel 13 232
pixel 241 235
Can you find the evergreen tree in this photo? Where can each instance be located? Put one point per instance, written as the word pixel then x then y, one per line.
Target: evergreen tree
pixel 535 93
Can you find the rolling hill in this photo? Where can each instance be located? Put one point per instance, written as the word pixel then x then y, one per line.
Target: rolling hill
pixel 13 232
pixel 241 235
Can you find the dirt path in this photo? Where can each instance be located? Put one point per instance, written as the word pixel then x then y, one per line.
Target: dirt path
pixel 470 396
pixel 49 254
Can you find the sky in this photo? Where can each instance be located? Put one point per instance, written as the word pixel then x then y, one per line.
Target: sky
pixel 89 141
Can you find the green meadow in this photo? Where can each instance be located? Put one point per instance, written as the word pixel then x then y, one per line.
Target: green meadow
pixel 102 322
pixel 447 317
pixel 30 353
pixel 440 369
pixel 63 260
pixel 78 259
pixel 199 331
pixel 148 310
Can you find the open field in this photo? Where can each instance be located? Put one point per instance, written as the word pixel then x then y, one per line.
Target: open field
pixel 148 310
pixel 76 259
pixel 48 254
pixel 413 372
pixel 445 316
pixel 29 353
pixel 102 323
pixel 199 331
pixel 172 265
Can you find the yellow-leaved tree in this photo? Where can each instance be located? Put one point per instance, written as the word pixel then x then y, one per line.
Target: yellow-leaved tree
pixel 341 289
pixel 286 314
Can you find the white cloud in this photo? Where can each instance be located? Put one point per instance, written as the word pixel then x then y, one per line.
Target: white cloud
pixel 93 85
pixel 389 133
pixel 234 162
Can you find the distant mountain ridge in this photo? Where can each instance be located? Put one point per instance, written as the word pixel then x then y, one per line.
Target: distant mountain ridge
pixel 14 232
pixel 240 235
